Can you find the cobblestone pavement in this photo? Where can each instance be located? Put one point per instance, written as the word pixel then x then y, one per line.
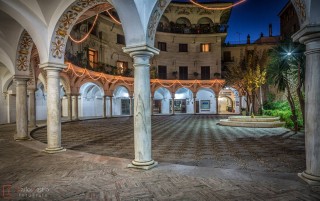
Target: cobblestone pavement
pixel 27 173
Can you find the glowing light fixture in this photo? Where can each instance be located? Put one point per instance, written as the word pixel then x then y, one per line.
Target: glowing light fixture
pixel 217 8
pixel 87 34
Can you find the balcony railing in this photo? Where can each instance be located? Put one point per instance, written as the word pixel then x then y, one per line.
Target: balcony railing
pixel 193 29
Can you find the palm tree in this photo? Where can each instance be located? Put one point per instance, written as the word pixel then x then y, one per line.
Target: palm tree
pixel 284 74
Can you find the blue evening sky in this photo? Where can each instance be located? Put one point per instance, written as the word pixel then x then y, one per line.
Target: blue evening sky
pixel 252 17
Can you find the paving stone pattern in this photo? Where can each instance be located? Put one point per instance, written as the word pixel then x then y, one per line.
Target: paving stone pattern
pixel 190 140
pixel 73 175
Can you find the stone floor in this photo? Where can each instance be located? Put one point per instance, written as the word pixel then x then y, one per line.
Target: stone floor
pixel 199 160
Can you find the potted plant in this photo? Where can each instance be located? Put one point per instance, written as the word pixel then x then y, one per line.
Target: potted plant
pixel 195 74
pixel 216 75
pixel 175 73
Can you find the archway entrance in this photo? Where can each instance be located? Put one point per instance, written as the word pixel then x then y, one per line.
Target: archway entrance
pixel 183 101
pixel 91 100
pixel 161 103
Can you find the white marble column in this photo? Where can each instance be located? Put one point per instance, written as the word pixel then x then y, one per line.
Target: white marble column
pixel 53 106
pixel 131 108
pixel 110 106
pixel 75 109
pixel 217 104
pixel 194 103
pixel 104 104
pixel 151 105
pixel 21 108
pixel 69 98
pixel 142 114
pixel 310 36
pixel 32 108
pixel 172 103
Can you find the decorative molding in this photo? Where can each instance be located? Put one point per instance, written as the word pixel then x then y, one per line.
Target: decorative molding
pixel 66 22
pixel 24 52
pixel 300 7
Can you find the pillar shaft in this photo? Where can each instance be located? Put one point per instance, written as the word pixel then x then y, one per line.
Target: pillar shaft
pixel 151 105
pixel 194 104
pixel 69 98
pixel 110 99
pixel 104 104
pixel 53 107
pixel 217 104
pixel 310 36
pixel 312 109
pixel 75 107
pixel 172 103
pixel 21 109
pixel 32 108
pixel 131 108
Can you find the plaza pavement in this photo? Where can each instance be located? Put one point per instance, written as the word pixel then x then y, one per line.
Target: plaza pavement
pixel 198 160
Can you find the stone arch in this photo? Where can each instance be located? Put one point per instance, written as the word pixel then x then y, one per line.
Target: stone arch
pixel 85 81
pixel 183 21
pixel 65 24
pixel 41 100
pixel 64 79
pixel 91 100
pixel 206 100
pixel 205 21
pixel 234 106
pixel 161 98
pixel 6 61
pixel 23 55
pixel 183 102
pixel 121 101
pixel 114 86
pixel 164 21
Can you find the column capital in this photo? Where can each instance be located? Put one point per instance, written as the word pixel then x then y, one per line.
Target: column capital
pixel 307 34
pixel 21 78
pixel 143 50
pixel 53 66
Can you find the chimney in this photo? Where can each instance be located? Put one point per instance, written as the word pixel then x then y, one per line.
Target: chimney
pixel 248 39
pixel 270 30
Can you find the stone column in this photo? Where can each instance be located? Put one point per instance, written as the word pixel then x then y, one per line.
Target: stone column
pixel 53 106
pixel 240 105
pixel 69 98
pixel 131 108
pixel 32 108
pixel 75 108
pixel 110 99
pixel 104 104
pixel 310 36
pixel 151 105
pixel 194 104
pixel 21 108
pixel 217 104
pixel 172 103
pixel 142 114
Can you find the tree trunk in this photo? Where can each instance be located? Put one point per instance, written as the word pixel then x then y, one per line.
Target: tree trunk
pixel 299 93
pixel 253 102
pixel 294 117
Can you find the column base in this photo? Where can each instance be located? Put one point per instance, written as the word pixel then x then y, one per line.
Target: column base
pixel 310 179
pixel 54 150
pixel 144 166
pixel 21 138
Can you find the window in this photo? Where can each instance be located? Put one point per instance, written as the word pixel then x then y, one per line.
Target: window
pixel 183 72
pixel 227 56
pixel 121 39
pixel 93 58
pixel 183 47
pixel 162 46
pixel 162 72
pixel 205 72
pixel 122 66
pixel 205 47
